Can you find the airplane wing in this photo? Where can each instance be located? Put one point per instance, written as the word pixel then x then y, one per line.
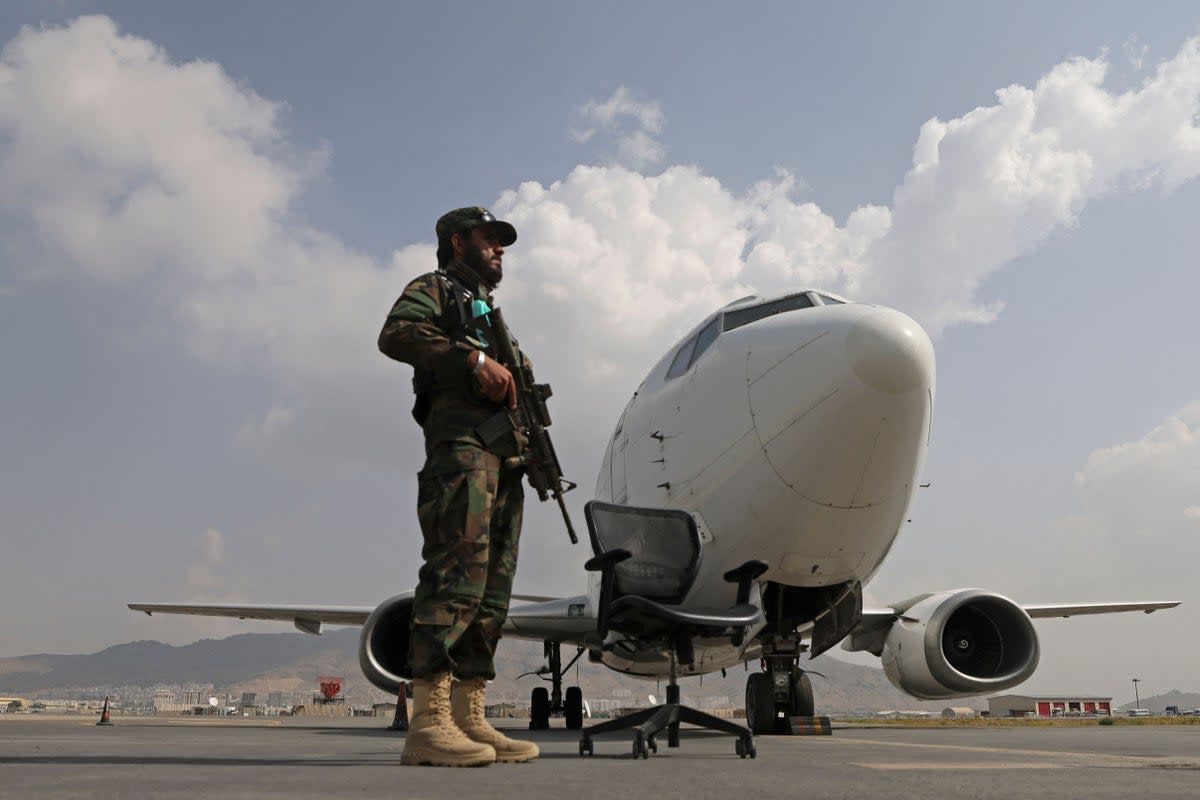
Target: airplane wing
pixel 334 615
pixel 1079 609
pixel 307 618
pixel 872 617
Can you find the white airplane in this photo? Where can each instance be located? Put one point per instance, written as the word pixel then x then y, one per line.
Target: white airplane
pixel 793 429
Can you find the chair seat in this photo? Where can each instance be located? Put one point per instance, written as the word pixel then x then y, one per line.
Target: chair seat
pixel 646 614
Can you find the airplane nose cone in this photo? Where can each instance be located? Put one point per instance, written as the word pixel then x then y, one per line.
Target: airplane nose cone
pixel 889 352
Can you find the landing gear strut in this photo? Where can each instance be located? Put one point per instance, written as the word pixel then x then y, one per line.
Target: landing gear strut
pixel 781 691
pixel 543 703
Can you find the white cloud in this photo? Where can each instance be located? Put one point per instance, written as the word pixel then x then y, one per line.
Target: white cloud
pixel 125 163
pixel 993 184
pixel 1173 445
pixel 214 547
pixel 639 149
pixel 1138 487
pixel 202 575
pixel 635 124
pixel 176 181
pixel 1136 51
pixel 620 106
pixel 582 136
pixel 1130 497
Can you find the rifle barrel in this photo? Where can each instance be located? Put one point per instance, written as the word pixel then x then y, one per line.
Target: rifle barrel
pixel 566 518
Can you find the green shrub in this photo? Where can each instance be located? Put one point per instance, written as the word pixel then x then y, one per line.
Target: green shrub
pixel 1106 720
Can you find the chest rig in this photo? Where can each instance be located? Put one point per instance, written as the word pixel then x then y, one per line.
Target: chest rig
pixel 456 321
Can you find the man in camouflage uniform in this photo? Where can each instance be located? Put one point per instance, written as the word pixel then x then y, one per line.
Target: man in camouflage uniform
pixel 468 505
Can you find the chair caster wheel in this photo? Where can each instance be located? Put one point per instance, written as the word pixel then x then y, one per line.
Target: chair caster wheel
pixel 641 749
pixel 745 749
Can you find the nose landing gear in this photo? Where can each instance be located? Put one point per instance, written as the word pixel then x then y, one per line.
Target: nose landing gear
pixel 779 693
pixel 543 703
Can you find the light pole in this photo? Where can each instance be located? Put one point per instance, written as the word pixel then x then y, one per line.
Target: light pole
pixel 1137 701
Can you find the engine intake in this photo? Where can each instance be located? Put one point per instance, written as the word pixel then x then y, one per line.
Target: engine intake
pixel 383 643
pixel 956 644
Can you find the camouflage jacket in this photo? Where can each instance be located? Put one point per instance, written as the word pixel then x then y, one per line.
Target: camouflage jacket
pixel 424 329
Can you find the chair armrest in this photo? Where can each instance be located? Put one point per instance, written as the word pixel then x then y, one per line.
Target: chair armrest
pixel 744 576
pixel 608 560
pixel 605 564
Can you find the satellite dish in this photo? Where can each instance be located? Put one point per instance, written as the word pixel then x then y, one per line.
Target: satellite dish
pixel 212 701
pixel 653 702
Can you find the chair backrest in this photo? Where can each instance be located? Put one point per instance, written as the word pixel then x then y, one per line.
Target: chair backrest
pixel 665 545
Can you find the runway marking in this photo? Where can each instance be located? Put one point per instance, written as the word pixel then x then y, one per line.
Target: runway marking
pixel 1074 759
pixel 942 765
pixel 204 722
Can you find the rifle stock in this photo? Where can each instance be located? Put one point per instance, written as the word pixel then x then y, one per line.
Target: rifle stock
pixel 531 418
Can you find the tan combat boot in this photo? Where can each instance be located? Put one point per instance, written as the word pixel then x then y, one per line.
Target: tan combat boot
pixel 468 716
pixel 433 738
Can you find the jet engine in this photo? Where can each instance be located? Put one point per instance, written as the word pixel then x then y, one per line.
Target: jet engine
pixel 960 643
pixel 383 643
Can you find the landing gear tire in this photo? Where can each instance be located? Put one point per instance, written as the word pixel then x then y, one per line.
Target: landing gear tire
pixel 801 699
pixel 539 709
pixel 760 704
pixel 573 708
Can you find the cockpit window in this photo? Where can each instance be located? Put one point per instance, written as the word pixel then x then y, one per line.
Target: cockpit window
pixel 694 347
pixel 683 359
pixel 705 338
pixel 744 316
pixel 830 301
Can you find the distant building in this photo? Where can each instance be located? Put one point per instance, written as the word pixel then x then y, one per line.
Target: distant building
pixel 1023 705
pixel 14 703
pixel 958 712
pixel 898 713
pixel 167 701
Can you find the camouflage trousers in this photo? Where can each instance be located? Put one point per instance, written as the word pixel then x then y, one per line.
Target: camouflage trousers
pixel 470 514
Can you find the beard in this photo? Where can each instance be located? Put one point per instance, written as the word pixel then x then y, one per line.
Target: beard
pixel 473 258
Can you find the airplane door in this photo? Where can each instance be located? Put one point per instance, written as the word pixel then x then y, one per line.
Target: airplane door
pixel 619 446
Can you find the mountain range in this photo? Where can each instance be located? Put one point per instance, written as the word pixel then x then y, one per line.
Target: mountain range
pixel 291 662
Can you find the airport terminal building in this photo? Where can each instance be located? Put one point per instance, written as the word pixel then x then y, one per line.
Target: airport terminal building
pixel 1023 705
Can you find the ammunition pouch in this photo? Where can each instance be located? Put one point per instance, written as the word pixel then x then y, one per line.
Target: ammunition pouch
pixel 500 435
pixel 422 390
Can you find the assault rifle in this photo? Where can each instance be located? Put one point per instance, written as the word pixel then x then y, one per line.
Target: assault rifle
pixel 529 421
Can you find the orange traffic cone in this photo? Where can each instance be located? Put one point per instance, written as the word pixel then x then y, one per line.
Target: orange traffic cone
pixel 400 721
pixel 104 715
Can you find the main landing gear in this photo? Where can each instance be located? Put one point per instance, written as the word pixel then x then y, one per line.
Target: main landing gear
pixel 781 691
pixel 543 702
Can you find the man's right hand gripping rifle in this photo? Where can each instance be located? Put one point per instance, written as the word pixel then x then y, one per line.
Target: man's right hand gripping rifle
pixel 508 379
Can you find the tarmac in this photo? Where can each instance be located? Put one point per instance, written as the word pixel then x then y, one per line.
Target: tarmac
pixel 70 757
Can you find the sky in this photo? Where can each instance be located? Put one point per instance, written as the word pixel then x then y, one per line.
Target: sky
pixel 206 212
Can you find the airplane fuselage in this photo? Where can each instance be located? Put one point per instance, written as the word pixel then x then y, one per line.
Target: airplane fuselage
pixel 795 439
